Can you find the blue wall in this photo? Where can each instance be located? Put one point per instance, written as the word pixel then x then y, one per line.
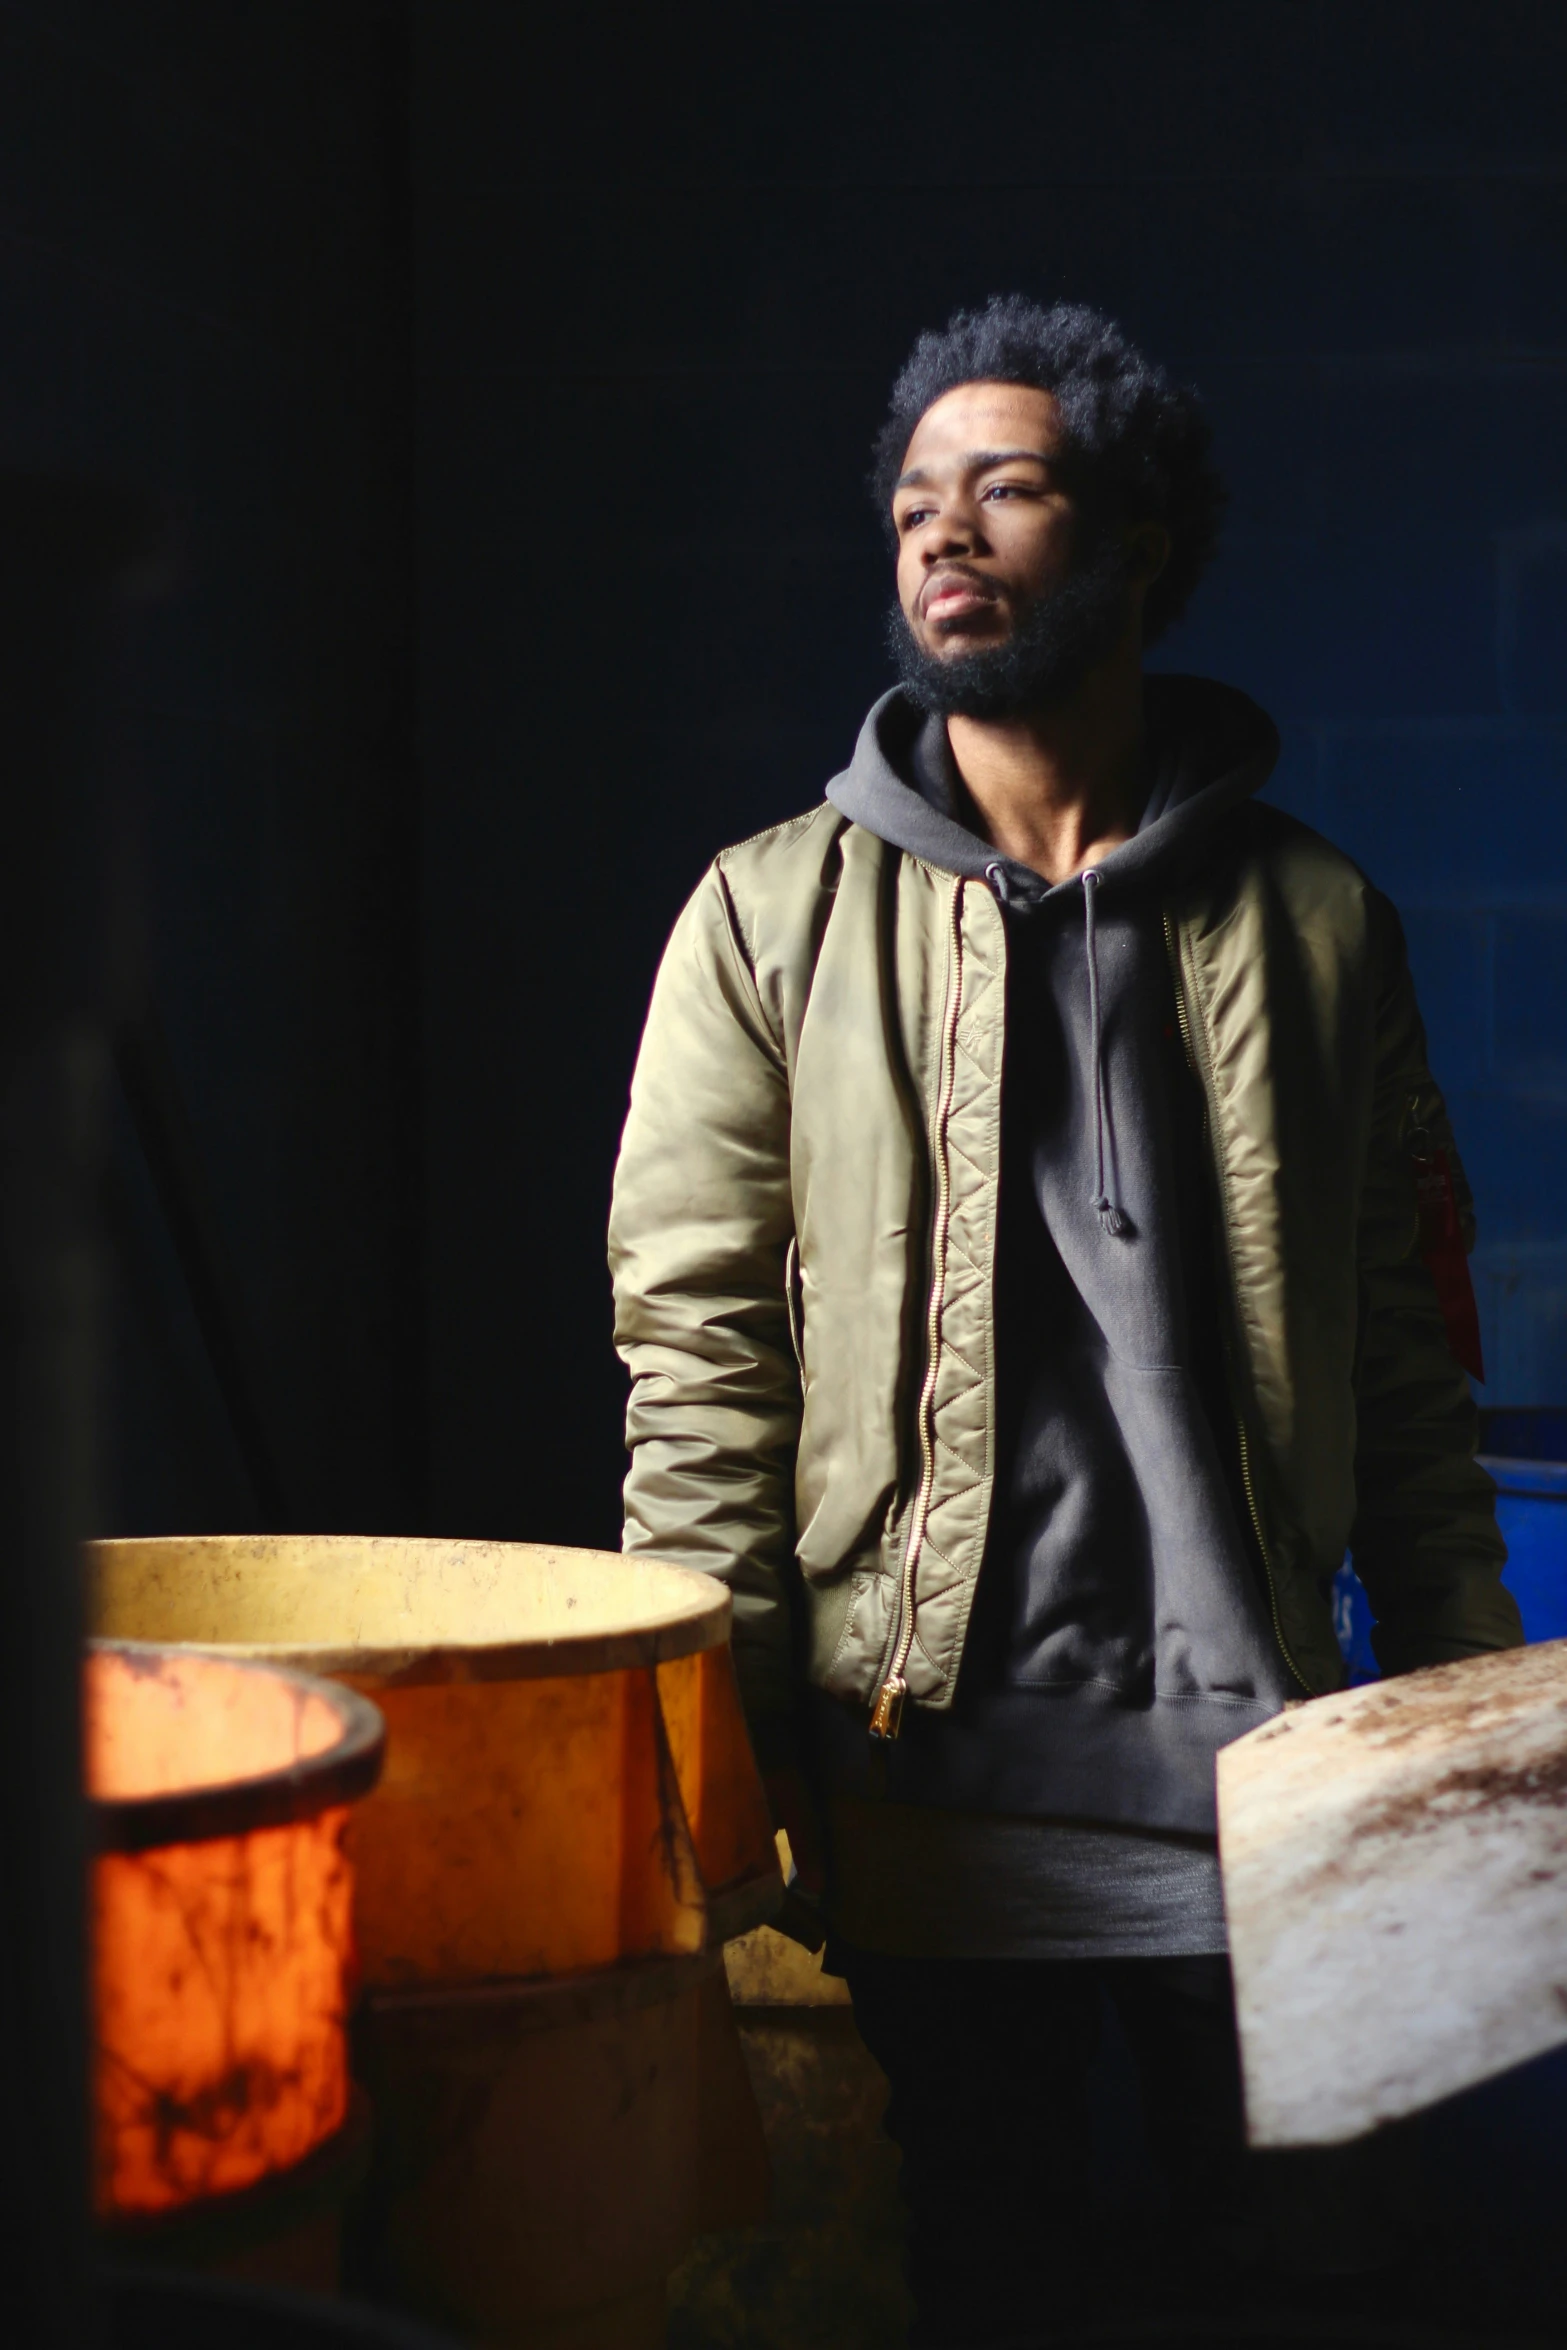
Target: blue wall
pixel 667 266
pixel 1399 600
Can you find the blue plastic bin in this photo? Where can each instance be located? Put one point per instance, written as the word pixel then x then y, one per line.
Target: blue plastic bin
pixel 1495 2158
pixel 1531 1510
pixel 1352 1623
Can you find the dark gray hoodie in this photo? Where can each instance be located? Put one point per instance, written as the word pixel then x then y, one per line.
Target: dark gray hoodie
pixel 1121 1633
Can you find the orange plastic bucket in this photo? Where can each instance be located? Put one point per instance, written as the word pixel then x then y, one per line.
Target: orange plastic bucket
pixel 222 1919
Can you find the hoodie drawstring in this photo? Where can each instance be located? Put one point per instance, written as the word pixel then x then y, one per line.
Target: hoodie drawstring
pixel 1109 1214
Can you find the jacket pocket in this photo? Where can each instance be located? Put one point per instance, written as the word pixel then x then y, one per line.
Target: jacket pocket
pixel 794 1299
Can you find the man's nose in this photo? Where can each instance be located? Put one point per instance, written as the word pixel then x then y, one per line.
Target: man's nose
pixel 956 532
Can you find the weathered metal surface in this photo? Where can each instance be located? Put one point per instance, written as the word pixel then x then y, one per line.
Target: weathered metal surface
pixel 1395 1878
pixel 767 1969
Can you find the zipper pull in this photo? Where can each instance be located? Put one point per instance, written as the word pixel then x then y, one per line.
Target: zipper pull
pixel 887 1719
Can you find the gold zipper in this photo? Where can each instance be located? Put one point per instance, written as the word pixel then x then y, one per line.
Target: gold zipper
pixel 887 1716
pixel 1183 1022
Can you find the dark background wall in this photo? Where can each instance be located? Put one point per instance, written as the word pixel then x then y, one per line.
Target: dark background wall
pixel 510 376
pixel 667 264
pixel 204 297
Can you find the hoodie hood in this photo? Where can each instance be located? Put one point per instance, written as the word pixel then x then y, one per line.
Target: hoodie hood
pixel 1211 747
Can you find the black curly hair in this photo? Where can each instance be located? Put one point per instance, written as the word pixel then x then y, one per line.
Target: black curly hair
pixel 1141 443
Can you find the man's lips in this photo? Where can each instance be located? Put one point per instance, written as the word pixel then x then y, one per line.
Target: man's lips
pixel 952 595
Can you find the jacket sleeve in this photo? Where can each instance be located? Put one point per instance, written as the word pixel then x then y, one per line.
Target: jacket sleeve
pixel 699 1237
pixel 1425 1541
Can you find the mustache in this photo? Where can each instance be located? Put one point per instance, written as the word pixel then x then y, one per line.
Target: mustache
pixel 943 578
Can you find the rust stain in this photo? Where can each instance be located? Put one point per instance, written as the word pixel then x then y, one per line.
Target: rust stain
pixel 144 1664
pixel 1475 1696
pixel 1476 1787
pixel 218 2106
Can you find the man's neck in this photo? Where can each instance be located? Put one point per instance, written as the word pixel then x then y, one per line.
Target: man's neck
pixel 1061 788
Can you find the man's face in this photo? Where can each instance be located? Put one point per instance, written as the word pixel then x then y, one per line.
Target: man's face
pixel 984 525
pixel 1007 597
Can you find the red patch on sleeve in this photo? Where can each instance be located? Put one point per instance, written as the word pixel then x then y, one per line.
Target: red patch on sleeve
pixel 1447 1260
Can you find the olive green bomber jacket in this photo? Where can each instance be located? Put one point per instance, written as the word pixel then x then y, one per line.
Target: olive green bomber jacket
pixel 803 1232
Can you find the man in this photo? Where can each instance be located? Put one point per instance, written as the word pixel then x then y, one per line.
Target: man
pixel 1021 1265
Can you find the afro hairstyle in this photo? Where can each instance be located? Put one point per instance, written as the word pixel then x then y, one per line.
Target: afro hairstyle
pixel 1140 442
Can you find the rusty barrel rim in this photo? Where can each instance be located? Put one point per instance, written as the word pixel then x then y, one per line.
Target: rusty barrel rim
pixel 298 1790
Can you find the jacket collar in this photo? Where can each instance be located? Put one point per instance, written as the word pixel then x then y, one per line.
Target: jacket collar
pixel 1213 748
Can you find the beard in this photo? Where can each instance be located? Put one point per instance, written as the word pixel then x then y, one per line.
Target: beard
pixel 1056 640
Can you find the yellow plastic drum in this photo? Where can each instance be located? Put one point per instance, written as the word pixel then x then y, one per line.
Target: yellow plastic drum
pixel 569 1824
pixel 568 1781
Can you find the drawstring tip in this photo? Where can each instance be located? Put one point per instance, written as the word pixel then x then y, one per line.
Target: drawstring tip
pixel 1111 1217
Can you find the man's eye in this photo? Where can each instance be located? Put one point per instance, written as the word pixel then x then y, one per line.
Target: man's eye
pixel 1005 489
pixel 913 516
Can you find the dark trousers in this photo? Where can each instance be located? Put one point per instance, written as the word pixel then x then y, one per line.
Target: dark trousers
pixel 989 2062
